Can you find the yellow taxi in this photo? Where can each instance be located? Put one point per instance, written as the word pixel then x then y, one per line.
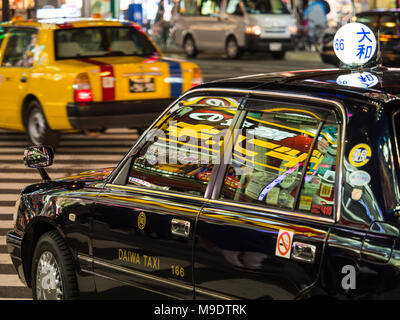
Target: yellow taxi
pixel 63 75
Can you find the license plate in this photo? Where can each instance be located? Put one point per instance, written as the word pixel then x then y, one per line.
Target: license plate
pixel 108 82
pixel 141 85
pixel 275 46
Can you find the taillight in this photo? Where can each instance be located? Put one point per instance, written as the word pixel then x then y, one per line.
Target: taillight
pixel 197 77
pixel 82 89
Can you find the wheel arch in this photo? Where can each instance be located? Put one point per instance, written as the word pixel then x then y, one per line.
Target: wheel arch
pixel 186 35
pixel 240 50
pixel 229 36
pixel 32 235
pixel 25 107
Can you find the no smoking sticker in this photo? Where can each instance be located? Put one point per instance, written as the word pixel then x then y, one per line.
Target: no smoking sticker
pixel 284 244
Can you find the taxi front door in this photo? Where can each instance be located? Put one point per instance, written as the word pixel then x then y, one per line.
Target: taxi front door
pixel 15 69
pixel 142 243
pixel 144 222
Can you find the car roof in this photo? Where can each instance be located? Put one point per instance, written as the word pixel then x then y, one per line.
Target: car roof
pixel 59 23
pixel 394 10
pixel 320 82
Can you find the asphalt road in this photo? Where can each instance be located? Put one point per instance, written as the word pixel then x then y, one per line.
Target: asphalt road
pixel 79 152
pixel 216 67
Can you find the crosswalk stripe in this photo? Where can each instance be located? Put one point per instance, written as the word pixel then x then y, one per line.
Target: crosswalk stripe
pixel 59 157
pixel 5 259
pixel 88 143
pixel 9 197
pixel 32 174
pixel 10 280
pixel 66 165
pixel 7 224
pixel 18 153
pixel 19 186
pixel 6 210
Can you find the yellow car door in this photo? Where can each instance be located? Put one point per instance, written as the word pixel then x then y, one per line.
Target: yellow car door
pixel 16 65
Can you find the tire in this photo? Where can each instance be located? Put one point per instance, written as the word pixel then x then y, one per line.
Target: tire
pixel 37 130
pixel 330 60
pixel 278 55
pixel 232 49
pixel 52 257
pixel 190 47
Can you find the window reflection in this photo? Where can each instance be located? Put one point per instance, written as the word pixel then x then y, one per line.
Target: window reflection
pixel 269 156
pixel 181 151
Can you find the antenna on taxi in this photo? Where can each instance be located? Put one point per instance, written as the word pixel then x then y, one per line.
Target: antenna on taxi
pixel 379 67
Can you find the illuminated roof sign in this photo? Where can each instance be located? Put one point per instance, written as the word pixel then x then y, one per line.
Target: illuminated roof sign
pixel 354 44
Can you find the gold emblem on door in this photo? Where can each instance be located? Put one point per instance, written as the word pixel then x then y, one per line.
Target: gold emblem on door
pixel 141 220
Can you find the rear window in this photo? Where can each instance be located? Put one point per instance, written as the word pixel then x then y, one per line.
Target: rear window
pixel 388 24
pixel 101 41
pixel 265 6
pixel 370 20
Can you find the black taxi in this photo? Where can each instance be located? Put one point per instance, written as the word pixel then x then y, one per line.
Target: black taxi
pixel 271 186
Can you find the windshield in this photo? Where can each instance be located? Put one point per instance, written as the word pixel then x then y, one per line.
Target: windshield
pixel 100 42
pixel 265 6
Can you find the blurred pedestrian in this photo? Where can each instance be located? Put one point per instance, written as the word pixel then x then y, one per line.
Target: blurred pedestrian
pixel 315 14
pixel 162 25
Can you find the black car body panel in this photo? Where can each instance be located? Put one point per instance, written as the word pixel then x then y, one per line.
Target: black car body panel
pixel 103 115
pixel 123 239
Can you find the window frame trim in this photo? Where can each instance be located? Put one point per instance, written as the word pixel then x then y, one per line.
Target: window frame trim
pixel 247 92
pixel 339 176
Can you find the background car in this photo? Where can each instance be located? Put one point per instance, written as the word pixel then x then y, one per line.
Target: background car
pixel 384 20
pixel 233 27
pixel 84 74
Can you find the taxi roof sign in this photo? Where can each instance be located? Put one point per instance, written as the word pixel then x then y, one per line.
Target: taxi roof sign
pixel 354 44
pixel 358 79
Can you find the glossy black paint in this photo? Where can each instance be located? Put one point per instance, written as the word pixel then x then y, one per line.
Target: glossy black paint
pixel 230 250
pixel 105 114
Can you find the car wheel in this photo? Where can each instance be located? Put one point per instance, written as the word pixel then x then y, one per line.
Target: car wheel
pixel 190 47
pixel 232 48
pixel 279 55
pixel 53 276
pixel 37 129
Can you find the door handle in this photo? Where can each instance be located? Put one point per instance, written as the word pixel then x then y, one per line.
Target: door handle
pixel 303 252
pixel 180 228
pixel 23 79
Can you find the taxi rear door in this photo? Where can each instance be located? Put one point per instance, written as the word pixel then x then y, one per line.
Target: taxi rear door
pixel 16 66
pixel 263 233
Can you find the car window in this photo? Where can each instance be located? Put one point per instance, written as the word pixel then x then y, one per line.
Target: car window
pixel 101 41
pixel 265 6
pixel 189 7
pixel 317 192
pixel 234 7
pixel 388 24
pixel 269 158
pixel 210 7
pixel 3 32
pixel 19 50
pixel 180 152
pixel 370 20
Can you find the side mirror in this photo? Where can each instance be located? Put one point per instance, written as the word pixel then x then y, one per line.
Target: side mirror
pixel 39 157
